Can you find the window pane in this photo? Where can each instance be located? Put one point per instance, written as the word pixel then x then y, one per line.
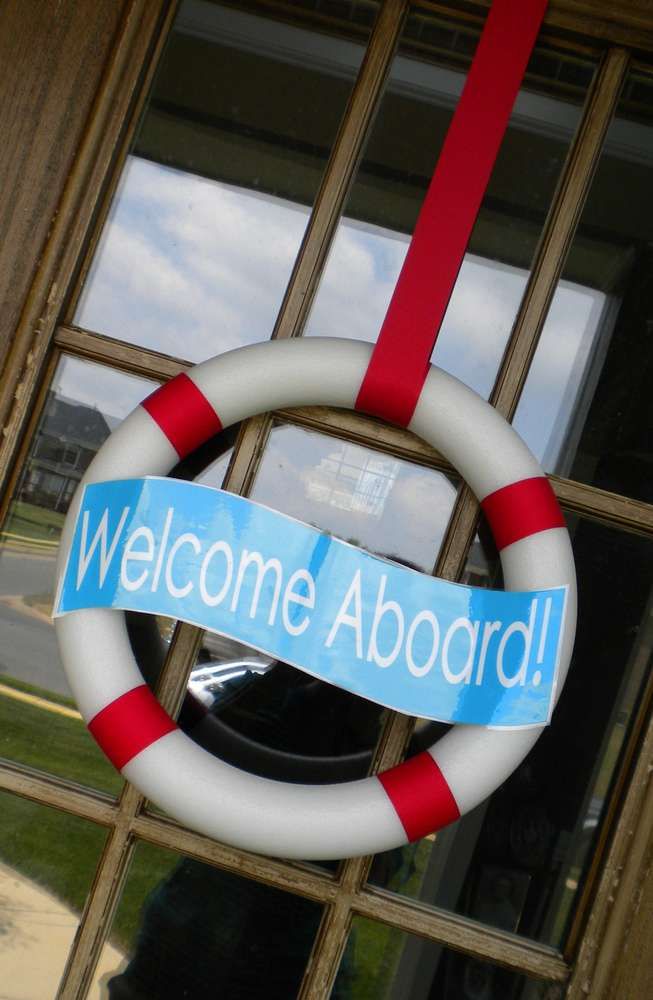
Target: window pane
pixel 268 717
pixel 39 724
pixel 425 83
pixel 586 408
pixel 47 863
pixel 186 929
pixel 519 861
pixel 215 197
pixel 384 504
pixel 382 963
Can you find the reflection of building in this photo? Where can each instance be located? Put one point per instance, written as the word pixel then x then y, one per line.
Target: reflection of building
pixel 69 436
pixel 352 479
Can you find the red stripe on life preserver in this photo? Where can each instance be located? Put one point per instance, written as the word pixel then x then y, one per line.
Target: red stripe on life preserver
pixel 522 509
pixel 129 725
pixel 420 795
pixel 183 413
pixel 192 712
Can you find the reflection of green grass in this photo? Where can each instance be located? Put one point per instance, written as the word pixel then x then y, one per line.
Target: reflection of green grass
pixel 148 867
pixel 30 521
pixel 58 851
pixel 564 905
pixel 53 743
pixel 374 959
pixel 422 852
pixel 609 762
pixel 375 950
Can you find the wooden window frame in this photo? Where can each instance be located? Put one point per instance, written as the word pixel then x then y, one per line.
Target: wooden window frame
pixel 617 903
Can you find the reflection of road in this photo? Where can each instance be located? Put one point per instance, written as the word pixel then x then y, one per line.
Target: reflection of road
pixel 26 574
pixel 28 647
pixel 28 651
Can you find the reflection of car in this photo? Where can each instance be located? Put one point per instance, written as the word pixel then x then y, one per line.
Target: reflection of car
pixel 213 681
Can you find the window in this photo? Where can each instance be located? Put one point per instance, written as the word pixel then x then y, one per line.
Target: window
pixel 269 187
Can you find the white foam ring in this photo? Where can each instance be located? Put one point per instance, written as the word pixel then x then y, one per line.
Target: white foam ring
pixel 294 820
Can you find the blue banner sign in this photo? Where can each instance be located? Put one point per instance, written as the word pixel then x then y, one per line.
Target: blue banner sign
pixel 390 634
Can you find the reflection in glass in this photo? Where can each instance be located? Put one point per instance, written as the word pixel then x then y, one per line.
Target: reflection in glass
pixel 519 861
pixel 268 717
pixel 382 963
pixel 47 863
pixel 186 929
pixel 586 409
pixel 214 200
pixel 393 508
pixel 39 724
pixel 398 161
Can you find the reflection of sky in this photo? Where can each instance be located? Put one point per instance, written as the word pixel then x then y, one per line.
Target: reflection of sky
pixel 189 266
pixel 476 326
pixel 549 406
pixel 299 476
pixel 357 286
pixel 112 393
pixel 193 267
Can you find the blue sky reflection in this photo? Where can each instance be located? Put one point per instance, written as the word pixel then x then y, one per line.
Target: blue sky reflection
pixel 193 267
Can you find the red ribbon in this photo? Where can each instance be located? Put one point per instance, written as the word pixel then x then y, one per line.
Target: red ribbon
pixel 399 364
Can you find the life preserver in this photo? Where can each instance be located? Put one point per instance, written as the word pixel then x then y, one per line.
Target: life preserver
pixel 372 814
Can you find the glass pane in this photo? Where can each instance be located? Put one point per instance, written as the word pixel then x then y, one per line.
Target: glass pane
pixel 519 861
pixel 382 963
pixel 185 929
pixel 394 508
pixel 38 721
pixel 425 83
pixel 47 863
pixel 585 410
pixel 214 200
pixel 268 717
